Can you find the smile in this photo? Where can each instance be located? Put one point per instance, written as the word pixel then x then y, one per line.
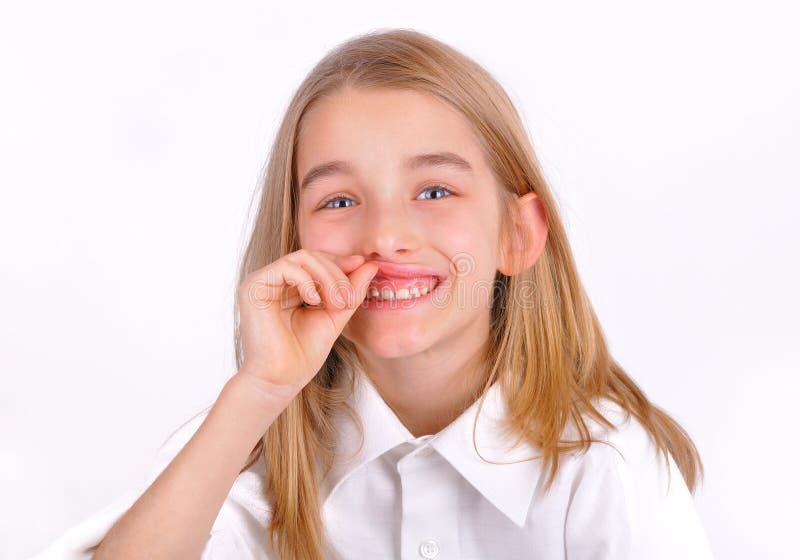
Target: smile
pixel 404 295
pixel 401 288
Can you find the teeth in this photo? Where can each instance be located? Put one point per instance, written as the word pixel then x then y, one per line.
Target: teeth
pixel 402 293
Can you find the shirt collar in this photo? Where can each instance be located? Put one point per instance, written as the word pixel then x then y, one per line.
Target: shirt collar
pixel 509 486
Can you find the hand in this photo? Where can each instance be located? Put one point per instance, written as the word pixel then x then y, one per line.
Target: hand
pixel 284 342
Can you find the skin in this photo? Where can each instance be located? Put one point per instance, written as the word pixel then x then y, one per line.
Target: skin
pixel 424 362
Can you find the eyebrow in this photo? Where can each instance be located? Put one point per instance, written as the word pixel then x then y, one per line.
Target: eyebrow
pixel 433 159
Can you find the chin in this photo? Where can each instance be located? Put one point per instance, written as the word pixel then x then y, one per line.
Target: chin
pixel 391 343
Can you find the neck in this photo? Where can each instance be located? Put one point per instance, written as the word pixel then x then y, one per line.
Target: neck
pixel 429 391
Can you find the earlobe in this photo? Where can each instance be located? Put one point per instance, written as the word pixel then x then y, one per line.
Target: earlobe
pixel 527 240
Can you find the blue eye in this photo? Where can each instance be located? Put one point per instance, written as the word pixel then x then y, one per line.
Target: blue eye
pixel 438 188
pixel 336 198
pixel 340 197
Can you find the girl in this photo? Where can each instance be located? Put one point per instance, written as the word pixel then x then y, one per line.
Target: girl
pixel 419 371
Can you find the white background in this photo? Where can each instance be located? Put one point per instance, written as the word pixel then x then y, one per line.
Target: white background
pixel 132 137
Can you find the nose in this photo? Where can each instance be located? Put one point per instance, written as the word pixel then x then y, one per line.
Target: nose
pixel 390 231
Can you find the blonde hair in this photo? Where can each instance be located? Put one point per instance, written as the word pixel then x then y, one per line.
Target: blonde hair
pixel 547 350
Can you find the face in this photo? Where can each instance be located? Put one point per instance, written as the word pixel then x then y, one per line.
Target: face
pixel 436 214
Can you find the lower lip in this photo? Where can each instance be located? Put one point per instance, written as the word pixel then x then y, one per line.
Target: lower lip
pixel 400 305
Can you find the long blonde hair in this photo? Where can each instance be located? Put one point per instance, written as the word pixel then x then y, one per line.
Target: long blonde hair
pixel 548 352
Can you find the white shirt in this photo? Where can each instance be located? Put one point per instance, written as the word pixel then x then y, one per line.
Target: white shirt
pixel 433 497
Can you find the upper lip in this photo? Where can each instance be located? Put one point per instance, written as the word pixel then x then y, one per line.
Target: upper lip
pixel 396 270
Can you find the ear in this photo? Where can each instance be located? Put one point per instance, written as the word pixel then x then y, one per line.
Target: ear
pixel 529 224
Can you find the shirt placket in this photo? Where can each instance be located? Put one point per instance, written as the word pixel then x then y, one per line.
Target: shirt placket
pixel 429 523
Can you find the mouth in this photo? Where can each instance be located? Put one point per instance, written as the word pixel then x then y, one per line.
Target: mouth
pixel 402 286
pixel 384 288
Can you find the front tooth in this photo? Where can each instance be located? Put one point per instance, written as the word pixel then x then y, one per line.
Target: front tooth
pixel 402 293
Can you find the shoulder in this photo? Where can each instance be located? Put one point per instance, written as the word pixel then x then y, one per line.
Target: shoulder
pixel 626 435
pixel 628 452
pixel 625 485
pixel 624 439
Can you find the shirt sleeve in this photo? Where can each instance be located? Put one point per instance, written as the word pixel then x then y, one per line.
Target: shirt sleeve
pixel 81 541
pixel 626 504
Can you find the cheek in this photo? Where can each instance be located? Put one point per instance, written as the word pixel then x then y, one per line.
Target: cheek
pixel 319 236
pixel 467 239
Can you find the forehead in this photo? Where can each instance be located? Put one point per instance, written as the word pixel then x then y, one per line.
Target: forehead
pixel 380 127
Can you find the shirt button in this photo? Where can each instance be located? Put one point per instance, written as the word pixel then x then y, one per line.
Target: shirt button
pixel 428 549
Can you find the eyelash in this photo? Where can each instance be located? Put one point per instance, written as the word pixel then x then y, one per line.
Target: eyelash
pixel 342 196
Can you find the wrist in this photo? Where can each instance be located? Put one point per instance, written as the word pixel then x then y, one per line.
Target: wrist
pixel 250 405
pixel 262 391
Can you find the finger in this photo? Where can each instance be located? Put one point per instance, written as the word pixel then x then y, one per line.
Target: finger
pixel 348 263
pixel 341 282
pixel 328 284
pixel 339 266
pixel 299 278
pixel 360 279
pixel 274 282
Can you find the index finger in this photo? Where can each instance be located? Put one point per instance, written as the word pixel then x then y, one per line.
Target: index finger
pixel 348 263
